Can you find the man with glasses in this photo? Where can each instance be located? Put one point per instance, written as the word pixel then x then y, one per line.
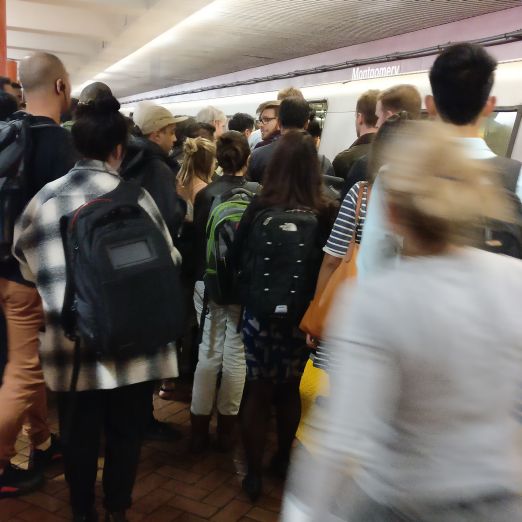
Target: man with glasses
pixel 268 123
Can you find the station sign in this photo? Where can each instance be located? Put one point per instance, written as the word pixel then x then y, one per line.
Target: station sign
pixel 375 72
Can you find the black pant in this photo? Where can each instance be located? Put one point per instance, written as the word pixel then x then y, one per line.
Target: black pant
pixel 121 414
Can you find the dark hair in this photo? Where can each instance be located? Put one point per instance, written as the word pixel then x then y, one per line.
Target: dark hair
pixel 386 131
pixel 99 128
pixel 241 122
pixel 8 105
pixel 186 129
pixel 16 85
pixel 366 107
pixel 3 82
pixel 293 176
pixel 461 80
pixel 314 128
pixel 294 113
pixel 403 97
pixel 70 113
pixel 206 130
pixel 232 151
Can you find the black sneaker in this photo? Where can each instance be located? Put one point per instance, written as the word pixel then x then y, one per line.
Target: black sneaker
pixel 86 517
pixel 161 431
pixel 15 481
pixel 40 459
pixel 115 516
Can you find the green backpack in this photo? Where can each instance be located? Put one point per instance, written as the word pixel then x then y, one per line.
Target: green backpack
pixel 226 213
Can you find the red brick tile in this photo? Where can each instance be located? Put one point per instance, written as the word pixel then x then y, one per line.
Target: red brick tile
pixel 189 517
pixel 134 516
pixel 9 507
pixel 213 480
pixel 262 515
pixel 221 496
pixel 185 490
pixel 147 484
pixel 270 503
pixel 44 501
pixel 163 514
pixel 232 512
pixel 151 501
pixel 53 486
pixel 37 514
pixel 179 474
pixel 192 506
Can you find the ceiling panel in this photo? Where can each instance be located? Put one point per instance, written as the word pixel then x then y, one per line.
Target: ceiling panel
pixel 198 39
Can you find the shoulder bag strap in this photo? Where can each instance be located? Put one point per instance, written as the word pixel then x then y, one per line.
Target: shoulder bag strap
pixel 364 187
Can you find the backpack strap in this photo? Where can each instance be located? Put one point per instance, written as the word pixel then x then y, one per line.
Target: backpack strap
pixel 363 188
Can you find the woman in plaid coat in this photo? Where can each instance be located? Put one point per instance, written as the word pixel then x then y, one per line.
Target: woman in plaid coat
pixel 113 396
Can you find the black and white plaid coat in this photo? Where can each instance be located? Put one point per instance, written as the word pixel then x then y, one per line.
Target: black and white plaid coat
pixel 38 247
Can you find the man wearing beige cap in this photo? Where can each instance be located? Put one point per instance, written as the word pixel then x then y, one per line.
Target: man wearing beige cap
pixel 148 163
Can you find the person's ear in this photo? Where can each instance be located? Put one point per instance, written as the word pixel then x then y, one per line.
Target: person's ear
pixel 429 101
pixel 59 86
pixel 306 125
pixel 359 119
pixel 118 152
pixel 489 107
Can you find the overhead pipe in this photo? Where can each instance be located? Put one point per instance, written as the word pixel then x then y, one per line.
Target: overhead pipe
pixel 487 41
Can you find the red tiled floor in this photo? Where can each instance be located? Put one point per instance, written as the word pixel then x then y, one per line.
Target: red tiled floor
pixel 172 485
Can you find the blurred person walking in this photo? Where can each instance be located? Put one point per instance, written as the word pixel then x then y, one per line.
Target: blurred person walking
pixel 420 425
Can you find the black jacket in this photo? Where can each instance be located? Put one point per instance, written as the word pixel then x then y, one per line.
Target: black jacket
pixel 146 163
pixel 260 158
pixel 52 155
pixel 202 206
pixel 344 161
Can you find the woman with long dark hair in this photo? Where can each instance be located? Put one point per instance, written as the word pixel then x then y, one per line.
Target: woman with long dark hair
pixel 276 350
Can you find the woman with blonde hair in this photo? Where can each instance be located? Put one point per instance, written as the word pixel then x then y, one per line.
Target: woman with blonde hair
pixel 197 169
pixel 429 358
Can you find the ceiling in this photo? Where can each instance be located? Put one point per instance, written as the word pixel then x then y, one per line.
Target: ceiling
pixel 142 45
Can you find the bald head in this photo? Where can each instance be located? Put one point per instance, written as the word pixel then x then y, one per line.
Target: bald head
pixel 94 91
pixel 41 71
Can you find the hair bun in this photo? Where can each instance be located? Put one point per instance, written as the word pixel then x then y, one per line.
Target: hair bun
pixel 190 146
pixel 106 104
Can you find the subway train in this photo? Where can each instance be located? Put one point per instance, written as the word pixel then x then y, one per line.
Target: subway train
pixel 335 103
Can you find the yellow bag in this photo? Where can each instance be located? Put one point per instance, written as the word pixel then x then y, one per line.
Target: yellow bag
pixel 314 320
pixel 314 383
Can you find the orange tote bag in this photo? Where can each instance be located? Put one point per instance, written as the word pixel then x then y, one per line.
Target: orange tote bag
pixel 314 320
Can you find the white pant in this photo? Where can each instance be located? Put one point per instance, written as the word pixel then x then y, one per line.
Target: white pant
pixel 221 350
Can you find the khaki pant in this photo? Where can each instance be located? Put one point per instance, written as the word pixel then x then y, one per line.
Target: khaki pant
pixel 23 395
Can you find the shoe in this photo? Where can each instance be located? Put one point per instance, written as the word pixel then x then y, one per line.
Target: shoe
pixel 15 481
pixel 117 516
pixel 162 431
pixel 199 433
pixel 252 485
pixel 40 459
pixel 226 428
pixel 86 517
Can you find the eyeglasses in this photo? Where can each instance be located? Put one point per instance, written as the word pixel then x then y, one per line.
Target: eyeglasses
pixel 265 120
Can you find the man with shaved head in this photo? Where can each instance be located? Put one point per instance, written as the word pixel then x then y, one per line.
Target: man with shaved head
pixel 50 155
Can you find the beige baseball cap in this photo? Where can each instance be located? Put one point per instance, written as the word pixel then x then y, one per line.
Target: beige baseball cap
pixel 150 117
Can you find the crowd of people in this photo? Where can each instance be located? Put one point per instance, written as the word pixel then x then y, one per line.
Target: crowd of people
pixel 420 347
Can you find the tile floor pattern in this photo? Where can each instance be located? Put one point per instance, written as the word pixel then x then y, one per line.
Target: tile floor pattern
pixel 172 485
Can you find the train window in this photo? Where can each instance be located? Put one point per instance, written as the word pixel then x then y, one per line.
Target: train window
pixel 501 128
pixel 320 107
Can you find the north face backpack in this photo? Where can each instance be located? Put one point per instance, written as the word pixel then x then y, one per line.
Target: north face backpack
pixel 225 214
pixel 280 264
pixel 123 293
pixel 15 148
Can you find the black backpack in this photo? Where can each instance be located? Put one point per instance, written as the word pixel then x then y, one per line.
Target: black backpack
pixel 15 149
pixel 225 214
pixel 123 293
pixel 500 237
pixel 280 264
